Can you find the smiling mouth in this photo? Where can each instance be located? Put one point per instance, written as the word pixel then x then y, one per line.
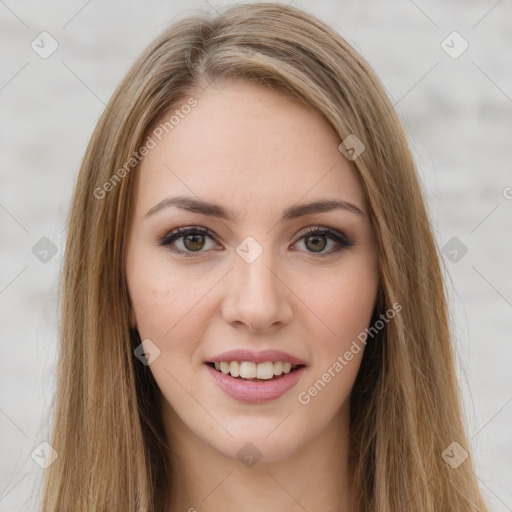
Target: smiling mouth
pixel 255 379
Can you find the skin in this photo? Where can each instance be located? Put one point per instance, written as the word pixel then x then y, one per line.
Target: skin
pixel 255 152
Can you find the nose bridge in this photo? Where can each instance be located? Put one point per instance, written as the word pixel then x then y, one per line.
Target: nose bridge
pixel 253 268
pixel 254 264
pixel 257 296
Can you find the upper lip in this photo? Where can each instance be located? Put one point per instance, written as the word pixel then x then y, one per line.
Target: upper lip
pixel 256 357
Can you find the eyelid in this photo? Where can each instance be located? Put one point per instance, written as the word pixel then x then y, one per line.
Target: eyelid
pixel 317 228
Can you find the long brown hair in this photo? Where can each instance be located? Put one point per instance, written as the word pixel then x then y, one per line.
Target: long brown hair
pixel 405 405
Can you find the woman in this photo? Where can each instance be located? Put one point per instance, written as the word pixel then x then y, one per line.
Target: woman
pixel 254 315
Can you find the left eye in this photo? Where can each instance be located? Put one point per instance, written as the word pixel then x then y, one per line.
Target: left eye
pixel 192 239
pixel 316 239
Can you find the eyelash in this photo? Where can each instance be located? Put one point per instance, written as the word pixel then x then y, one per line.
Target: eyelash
pixel 166 240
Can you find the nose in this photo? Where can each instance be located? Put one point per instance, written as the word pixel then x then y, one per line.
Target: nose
pixel 257 295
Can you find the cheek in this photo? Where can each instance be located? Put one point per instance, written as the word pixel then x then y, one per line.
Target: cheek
pixel 164 300
pixel 168 311
pixel 344 305
pixel 340 304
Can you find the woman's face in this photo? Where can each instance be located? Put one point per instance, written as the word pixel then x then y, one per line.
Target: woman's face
pixel 246 275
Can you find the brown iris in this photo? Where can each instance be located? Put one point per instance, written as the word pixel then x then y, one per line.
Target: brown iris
pixel 196 242
pixel 319 243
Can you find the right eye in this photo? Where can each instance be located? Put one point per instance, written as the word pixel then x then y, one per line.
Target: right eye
pixel 192 240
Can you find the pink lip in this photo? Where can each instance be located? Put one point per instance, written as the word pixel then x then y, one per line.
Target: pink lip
pixel 255 392
pixel 256 357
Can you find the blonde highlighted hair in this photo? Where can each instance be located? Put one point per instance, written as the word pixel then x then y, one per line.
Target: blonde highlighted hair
pixel 405 404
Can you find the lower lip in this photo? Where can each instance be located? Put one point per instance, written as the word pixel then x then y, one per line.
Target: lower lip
pixel 255 392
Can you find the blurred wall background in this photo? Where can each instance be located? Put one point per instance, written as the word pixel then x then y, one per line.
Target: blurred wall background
pixel 446 65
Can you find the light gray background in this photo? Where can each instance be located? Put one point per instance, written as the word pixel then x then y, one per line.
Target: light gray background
pixel 458 114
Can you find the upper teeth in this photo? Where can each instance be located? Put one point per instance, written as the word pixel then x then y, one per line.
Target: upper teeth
pixel 250 370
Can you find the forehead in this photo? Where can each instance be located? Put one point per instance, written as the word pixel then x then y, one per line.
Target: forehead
pixel 245 145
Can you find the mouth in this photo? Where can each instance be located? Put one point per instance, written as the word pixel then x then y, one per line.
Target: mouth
pixel 269 371
pixel 255 383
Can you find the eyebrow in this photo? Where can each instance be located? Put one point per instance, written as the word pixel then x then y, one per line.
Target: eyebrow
pixel 215 210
